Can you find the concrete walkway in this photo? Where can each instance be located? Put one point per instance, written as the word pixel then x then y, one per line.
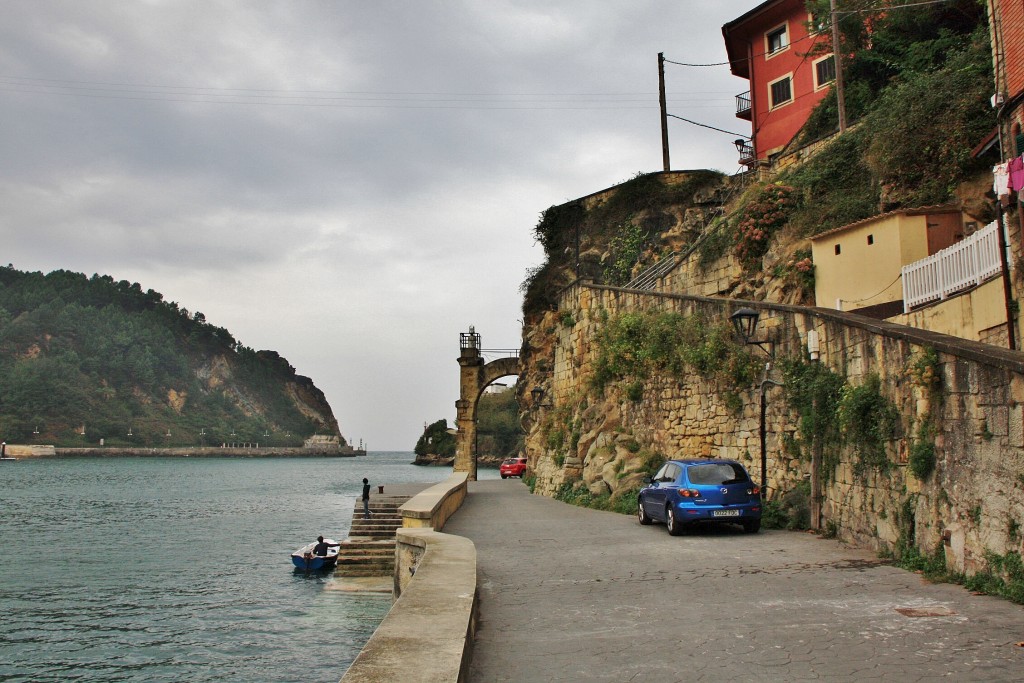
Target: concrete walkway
pixel 569 594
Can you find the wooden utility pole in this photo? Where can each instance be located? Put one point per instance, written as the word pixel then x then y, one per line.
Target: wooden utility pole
pixel 838 60
pixel 664 111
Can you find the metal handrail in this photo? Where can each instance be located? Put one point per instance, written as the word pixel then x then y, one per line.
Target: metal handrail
pixel 743 102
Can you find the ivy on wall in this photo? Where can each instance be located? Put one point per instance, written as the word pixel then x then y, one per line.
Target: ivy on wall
pixel 635 346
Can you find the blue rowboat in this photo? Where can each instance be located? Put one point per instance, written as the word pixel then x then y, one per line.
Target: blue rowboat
pixel 303 558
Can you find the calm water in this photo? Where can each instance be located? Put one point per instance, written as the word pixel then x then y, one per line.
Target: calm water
pixel 161 569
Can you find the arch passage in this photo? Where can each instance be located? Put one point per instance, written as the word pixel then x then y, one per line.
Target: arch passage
pixel 475 376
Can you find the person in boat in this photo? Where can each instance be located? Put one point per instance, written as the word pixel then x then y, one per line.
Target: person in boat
pixel 321 546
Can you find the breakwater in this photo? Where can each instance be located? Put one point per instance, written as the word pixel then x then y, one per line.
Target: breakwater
pixel 198 452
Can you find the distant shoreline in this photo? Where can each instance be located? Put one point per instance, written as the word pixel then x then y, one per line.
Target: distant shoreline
pixel 19 451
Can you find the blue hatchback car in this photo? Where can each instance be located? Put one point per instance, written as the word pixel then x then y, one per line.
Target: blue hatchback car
pixel 686 492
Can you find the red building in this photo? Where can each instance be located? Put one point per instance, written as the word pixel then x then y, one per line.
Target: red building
pixel 773 46
pixel 1006 22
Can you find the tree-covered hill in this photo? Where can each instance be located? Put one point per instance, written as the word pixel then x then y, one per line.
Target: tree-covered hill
pixel 104 357
pixel 499 434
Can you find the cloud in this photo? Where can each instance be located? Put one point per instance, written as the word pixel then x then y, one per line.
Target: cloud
pixel 351 184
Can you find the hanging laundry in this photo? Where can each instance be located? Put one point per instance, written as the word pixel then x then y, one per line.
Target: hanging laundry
pixel 1001 179
pixel 1016 169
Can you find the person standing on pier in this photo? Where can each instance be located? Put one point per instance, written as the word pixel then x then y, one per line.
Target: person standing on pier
pixel 366 498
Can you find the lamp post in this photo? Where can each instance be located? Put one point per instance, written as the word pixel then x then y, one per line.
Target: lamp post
pixel 745 321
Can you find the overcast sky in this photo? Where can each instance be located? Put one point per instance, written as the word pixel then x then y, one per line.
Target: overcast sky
pixel 351 184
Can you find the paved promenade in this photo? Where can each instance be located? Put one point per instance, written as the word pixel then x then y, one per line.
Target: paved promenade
pixel 569 594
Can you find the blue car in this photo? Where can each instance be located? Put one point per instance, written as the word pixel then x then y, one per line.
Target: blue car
pixel 686 492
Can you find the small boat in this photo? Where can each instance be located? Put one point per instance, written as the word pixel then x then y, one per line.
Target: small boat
pixel 303 558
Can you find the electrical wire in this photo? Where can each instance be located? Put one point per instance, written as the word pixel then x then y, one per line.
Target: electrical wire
pixel 858 301
pixel 704 125
pixel 812 34
pixel 354 99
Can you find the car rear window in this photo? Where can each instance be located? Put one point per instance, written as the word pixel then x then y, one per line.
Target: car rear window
pixel 714 474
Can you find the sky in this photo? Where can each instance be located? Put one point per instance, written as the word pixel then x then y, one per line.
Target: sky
pixel 348 183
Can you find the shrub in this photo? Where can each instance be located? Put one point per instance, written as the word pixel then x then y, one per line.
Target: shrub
pixel 922 458
pixel 869 421
pixel 761 219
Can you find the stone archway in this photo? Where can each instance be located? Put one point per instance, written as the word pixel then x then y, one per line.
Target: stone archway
pixel 474 376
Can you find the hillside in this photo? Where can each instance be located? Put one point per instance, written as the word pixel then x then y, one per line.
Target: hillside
pixel 918 82
pixel 918 89
pixel 89 359
pixel 499 434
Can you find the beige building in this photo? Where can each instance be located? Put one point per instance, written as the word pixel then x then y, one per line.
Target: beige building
pixel 915 267
pixel 857 267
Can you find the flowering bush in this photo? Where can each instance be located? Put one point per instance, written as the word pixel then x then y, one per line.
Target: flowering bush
pixel 798 271
pixel 762 218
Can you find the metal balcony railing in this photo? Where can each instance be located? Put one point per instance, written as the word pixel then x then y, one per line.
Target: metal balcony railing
pixel 743 104
pixel 746 153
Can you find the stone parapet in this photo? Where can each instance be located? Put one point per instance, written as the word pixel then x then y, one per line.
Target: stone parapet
pixel 426 636
pixel 431 508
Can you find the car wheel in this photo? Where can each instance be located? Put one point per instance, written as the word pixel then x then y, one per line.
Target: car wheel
pixel 641 515
pixel 504 476
pixel 673 525
pixel 752 526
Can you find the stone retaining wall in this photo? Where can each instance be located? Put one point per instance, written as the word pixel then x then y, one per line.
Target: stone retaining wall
pixel 973 502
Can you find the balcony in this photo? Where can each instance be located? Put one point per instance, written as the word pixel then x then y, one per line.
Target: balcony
pixel 743 106
pixel 746 150
pixel 954 269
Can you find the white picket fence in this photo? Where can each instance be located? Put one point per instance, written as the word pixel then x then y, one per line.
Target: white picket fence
pixel 966 264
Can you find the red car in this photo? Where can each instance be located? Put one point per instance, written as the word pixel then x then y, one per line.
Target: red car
pixel 512 467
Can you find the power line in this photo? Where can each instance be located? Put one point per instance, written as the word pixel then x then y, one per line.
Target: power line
pixel 345 99
pixel 704 125
pixel 759 54
pixel 886 8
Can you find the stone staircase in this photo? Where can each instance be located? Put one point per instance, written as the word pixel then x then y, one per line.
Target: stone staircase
pixel 369 549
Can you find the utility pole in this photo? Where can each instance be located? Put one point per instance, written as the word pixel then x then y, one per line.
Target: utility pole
pixel 664 111
pixel 838 60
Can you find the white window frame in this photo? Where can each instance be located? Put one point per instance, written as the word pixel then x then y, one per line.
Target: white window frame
pixel 815 26
pixel 814 66
pixel 768 53
pixel 772 104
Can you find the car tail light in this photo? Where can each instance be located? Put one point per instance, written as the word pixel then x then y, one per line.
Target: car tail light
pixel 754 491
pixel 689 493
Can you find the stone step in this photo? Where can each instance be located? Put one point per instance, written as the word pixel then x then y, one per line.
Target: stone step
pixel 357 550
pixel 374 525
pixel 361 557
pixel 382 562
pixel 372 536
pixel 356 558
pixel 363 572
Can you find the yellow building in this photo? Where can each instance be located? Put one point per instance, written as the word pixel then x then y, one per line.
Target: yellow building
pixel 861 268
pixel 857 267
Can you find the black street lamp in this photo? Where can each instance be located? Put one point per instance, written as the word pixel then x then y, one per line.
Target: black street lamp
pixel 745 321
pixel 537 394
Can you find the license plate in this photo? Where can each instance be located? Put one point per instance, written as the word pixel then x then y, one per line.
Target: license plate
pixel 725 513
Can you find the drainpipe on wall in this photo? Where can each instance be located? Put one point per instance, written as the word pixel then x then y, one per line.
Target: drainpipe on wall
pixel 1011 337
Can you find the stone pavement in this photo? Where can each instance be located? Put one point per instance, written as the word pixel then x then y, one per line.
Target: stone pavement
pixel 570 594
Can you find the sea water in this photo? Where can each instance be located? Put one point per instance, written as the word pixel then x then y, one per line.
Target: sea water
pixel 178 569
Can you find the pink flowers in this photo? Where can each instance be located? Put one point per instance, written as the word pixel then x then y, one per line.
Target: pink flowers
pixel 764 216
